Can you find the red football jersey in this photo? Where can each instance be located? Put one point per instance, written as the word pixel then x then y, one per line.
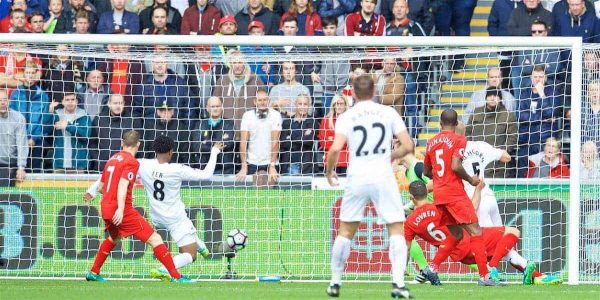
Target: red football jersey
pixel 120 165
pixel 424 222
pixel 447 186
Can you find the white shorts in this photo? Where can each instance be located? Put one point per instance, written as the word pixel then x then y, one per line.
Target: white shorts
pixel 384 195
pixel 183 232
pixel 488 212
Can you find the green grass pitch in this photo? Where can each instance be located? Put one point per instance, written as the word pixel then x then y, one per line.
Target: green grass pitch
pixel 144 290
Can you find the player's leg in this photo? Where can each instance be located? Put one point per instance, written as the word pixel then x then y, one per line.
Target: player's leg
pixel 162 253
pixel 105 248
pixel 504 244
pixel 351 212
pixel 388 204
pixel 417 255
pixel 184 234
pixel 339 254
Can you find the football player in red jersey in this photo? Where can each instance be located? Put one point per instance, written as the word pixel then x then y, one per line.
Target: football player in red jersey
pixel 443 164
pixel 425 222
pixel 120 218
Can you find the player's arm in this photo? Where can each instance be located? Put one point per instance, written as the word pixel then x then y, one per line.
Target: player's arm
pixel 196 174
pixel 121 195
pixel 406 145
pixel 332 156
pixel 274 151
pixel 427 168
pixel 92 191
pixel 505 157
pixel 460 171
pixel 477 195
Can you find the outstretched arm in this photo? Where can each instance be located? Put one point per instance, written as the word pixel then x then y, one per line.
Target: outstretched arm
pixel 197 174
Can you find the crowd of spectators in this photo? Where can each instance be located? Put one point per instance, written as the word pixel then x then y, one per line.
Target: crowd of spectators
pixel 277 117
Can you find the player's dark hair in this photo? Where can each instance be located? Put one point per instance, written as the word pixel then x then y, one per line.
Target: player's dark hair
pixel 493 91
pixel 449 117
pixel 131 138
pixel 418 189
pixel 163 144
pixel 364 87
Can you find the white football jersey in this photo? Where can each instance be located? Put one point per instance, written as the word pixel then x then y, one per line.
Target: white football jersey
pixel 477 156
pixel 162 183
pixel 369 128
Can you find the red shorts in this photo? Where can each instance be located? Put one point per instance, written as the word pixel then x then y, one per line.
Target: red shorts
pixel 491 237
pixel 457 212
pixel 133 224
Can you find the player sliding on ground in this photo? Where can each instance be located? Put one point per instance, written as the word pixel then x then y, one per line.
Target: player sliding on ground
pixel 443 164
pixel 162 182
pixel 368 128
pixel 478 155
pixel 424 222
pixel 121 219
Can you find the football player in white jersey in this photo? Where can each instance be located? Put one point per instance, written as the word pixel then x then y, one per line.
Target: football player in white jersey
pixel 162 183
pixel 478 154
pixel 368 128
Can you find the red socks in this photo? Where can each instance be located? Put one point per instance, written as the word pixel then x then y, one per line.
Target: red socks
pixel 480 255
pixel 164 256
pixel 507 242
pixel 103 253
pixel 443 252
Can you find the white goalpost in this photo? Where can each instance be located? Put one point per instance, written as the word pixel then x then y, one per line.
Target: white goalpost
pixel 167 84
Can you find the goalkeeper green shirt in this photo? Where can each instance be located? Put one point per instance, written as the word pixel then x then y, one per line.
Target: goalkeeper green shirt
pixel 415 172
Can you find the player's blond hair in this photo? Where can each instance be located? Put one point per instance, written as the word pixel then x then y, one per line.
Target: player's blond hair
pixel 131 138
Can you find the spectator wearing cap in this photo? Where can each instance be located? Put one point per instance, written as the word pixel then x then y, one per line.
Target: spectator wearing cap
pixel 163 82
pixel 71 128
pixel 172 17
pixel 365 22
pixel 160 23
pixel 309 22
pixel 164 122
pixel 494 80
pixel 265 71
pixel 119 20
pixel 201 19
pixel 255 10
pixel 495 125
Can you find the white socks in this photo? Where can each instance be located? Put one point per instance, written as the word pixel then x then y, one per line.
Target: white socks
pixel 398 258
pixel 180 260
pixel 515 259
pixel 339 254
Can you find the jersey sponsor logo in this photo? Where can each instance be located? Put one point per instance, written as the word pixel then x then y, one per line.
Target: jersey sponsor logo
pixel 461 151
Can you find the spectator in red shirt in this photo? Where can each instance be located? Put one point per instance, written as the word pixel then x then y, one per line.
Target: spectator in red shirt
pixel 365 22
pixel 6 23
pixel 14 22
pixel 123 75
pixel 201 19
pixel 339 105
pixel 12 67
pixel 550 163
pixel 309 21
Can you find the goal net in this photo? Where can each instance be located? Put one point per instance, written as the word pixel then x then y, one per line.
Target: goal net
pixel 78 97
